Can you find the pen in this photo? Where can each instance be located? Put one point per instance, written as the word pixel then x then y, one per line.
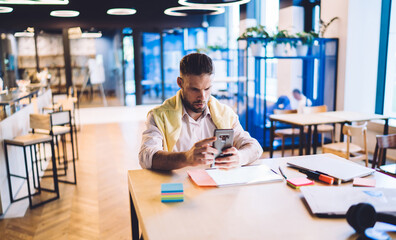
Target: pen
pixel 280 170
pixel 318 176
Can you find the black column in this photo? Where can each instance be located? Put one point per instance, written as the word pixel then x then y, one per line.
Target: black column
pixel 137 48
pixel 36 51
pixel 67 58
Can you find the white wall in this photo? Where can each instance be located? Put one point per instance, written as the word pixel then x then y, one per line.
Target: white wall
pixel 364 18
pixel 358 31
pixel 338 29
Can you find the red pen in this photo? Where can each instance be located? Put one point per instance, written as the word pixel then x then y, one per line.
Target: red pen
pixel 318 176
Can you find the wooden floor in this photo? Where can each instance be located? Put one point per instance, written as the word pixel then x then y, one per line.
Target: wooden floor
pixel 98 206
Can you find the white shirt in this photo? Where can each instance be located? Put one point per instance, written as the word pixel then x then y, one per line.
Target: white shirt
pixel 193 131
pixel 300 104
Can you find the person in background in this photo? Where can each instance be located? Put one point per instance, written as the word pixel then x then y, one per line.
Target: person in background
pixel 283 103
pixel 180 132
pixel 299 101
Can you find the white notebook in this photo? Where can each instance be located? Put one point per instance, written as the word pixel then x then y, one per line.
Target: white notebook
pixel 243 175
pixel 337 167
pixel 337 200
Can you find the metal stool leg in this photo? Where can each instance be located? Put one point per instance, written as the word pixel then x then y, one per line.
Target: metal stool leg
pixel 27 178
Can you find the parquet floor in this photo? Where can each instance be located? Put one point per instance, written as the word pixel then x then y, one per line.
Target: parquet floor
pixel 98 206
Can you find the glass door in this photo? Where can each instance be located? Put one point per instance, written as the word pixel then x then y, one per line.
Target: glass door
pixel 129 68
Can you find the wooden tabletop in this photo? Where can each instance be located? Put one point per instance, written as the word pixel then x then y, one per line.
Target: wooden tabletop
pixel 302 119
pixel 262 211
pixel 355 116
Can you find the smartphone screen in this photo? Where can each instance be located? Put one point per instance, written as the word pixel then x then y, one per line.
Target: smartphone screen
pixel 224 140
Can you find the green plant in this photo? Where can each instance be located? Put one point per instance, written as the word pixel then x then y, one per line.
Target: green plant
pixel 281 37
pixel 324 25
pixel 215 47
pixel 305 38
pixel 255 32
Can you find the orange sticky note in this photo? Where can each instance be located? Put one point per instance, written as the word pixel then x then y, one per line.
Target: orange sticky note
pixel 364 182
pixel 201 178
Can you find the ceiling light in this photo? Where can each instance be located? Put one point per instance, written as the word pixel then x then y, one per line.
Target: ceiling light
pixel 6 9
pixel 186 10
pixel 91 35
pixel 121 11
pixel 23 34
pixel 35 2
pixel 213 3
pixel 65 13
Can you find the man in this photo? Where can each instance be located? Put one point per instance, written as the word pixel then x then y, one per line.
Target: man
pixel 180 132
pixel 299 101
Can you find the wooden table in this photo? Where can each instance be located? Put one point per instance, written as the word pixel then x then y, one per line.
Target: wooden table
pixel 314 119
pixel 262 211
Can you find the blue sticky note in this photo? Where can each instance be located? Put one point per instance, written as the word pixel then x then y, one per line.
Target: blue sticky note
pixel 171 187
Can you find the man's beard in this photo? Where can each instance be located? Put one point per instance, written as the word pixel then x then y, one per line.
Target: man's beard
pixel 191 107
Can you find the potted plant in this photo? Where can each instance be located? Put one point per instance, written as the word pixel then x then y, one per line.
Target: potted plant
pixel 322 30
pixel 280 40
pixel 256 44
pixel 305 40
pixel 215 51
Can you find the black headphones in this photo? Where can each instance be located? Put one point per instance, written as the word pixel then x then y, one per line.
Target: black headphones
pixel 363 216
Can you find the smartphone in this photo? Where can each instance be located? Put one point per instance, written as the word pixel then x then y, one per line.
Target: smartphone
pixel 224 140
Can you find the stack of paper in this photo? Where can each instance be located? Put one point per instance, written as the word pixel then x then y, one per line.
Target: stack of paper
pixel 172 192
pixel 236 176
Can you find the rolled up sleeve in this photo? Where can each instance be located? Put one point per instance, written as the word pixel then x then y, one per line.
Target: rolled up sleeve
pixel 249 148
pixel 152 142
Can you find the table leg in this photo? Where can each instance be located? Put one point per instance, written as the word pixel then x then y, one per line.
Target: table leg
pixel 272 139
pixel 300 152
pixel 308 146
pixel 134 220
pixel 315 139
pixel 341 134
pixel 386 131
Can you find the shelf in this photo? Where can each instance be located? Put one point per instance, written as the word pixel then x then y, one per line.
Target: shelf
pixel 289 57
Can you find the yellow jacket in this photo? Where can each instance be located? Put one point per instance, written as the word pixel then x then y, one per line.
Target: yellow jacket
pixel 168 118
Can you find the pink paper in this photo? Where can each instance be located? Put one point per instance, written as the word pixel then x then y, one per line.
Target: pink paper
pixel 201 178
pixel 364 182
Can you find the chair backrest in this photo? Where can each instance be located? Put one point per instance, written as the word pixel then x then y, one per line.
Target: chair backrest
pixel 383 142
pixel 354 130
pixel 60 118
pixel 285 111
pixel 67 103
pixel 316 109
pixel 40 121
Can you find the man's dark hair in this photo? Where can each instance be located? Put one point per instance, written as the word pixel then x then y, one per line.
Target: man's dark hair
pixel 196 64
pixel 296 91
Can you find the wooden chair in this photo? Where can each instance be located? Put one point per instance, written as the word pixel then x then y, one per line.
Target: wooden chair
pixel 383 142
pixel 323 128
pixel 286 132
pixel 347 149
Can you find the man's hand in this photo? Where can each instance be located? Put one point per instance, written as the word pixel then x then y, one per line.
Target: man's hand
pixel 230 161
pixel 201 153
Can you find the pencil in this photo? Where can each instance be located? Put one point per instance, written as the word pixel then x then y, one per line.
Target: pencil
pixel 280 169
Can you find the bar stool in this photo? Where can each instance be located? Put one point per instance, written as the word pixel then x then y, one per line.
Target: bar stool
pixel 61 125
pixel 31 140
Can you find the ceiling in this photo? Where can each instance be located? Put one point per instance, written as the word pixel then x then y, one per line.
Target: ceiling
pixel 150 15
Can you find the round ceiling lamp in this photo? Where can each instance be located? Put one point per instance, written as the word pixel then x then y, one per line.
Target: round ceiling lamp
pixel 6 9
pixel 121 11
pixel 214 3
pixel 65 13
pixel 183 11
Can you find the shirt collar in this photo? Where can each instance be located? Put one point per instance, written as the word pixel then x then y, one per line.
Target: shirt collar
pixel 204 114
